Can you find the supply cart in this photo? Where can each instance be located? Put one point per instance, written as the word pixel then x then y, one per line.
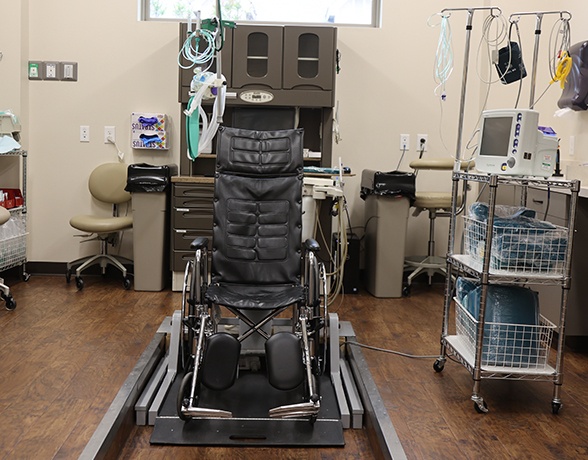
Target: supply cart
pixel 13 233
pixel 490 350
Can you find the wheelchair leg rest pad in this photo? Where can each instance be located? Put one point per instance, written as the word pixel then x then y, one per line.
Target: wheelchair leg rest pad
pixel 285 368
pixel 220 361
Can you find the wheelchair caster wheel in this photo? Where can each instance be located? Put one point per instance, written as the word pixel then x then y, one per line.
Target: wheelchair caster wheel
pixel 79 283
pixel 10 303
pixel 127 283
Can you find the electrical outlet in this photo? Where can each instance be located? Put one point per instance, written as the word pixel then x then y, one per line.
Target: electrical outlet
pixel 84 133
pixel 109 134
pixel 405 142
pixel 423 140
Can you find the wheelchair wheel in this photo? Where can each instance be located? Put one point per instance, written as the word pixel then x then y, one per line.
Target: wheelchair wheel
pixel 187 329
pixel 319 319
pixel 184 395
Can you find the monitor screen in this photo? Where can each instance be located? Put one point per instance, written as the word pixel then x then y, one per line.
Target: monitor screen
pixel 496 136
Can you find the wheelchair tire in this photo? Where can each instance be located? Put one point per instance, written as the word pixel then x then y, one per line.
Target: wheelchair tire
pixel 184 394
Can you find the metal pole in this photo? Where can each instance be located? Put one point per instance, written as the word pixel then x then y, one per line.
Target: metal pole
pixel 539 18
pixel 464 79
pixel 535 58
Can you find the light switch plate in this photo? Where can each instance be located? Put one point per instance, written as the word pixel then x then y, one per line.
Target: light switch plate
pixel 69 71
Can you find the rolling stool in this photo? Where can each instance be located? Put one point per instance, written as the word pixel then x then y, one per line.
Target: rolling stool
pixel 438 204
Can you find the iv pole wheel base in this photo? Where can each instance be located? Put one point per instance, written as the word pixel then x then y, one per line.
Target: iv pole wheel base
pixel 555 407
pixel 439 365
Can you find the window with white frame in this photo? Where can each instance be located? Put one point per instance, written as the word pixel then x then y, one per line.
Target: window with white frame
pixel 338 12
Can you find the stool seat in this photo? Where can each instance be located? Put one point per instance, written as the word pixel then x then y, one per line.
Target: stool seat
pixel 95 224
pixel 432 200
pixel 4 215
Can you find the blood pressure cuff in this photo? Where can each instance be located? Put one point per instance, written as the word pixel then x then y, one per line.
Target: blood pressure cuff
pixel 393 183
pixel 510 65
pixel 575 92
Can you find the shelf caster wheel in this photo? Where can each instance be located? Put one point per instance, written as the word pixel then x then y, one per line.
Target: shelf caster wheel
pixel 10 302
pixel 79 283
pixel 555 407
pixel 481 406
pixel 26 277
pixel 127 283
pixel 183 395
pixel 439 365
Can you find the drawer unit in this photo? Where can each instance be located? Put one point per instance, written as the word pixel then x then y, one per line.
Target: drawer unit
pixel 550 206
pixel 180 259
pixel 183 238
pixel 191 217
pixel 199 218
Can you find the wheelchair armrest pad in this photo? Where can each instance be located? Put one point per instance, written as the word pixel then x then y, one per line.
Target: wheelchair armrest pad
pixel 312 245
pixel 199 243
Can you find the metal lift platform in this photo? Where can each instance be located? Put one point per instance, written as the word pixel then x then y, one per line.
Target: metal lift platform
pixel 350 400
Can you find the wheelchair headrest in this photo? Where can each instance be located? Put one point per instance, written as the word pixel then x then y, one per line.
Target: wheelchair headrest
pixel 248 152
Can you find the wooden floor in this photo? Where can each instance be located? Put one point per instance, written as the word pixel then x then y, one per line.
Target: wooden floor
pixel 64 355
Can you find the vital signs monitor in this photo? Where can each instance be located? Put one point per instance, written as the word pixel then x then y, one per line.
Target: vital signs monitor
pixel 512 143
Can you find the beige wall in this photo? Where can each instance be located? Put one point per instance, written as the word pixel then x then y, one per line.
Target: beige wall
pixel 385 88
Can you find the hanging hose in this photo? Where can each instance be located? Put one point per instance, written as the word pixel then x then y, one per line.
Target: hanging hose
pixel 443 57
pixel 564 66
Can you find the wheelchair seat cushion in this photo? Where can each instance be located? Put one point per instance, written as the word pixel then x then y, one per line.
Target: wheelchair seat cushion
pixel 254 296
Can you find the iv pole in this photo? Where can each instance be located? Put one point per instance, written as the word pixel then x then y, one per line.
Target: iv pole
pixel 464 79
pixel 495 11
pixel 564 15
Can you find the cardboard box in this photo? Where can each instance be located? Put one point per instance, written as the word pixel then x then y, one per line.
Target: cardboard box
pixel 141 121
pixel 152 140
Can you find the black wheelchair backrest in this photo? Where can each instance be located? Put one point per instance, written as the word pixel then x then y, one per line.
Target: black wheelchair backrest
pixel 257 225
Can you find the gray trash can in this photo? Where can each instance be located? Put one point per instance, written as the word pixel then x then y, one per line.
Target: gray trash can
pixel 150 189
pixel 387 198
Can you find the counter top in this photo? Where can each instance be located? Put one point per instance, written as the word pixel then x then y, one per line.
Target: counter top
pixel 192 179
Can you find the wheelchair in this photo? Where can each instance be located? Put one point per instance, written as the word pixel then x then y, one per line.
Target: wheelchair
pixel 256 269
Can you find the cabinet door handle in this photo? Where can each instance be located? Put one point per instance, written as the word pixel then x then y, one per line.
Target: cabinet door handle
pixel 536 201
pixel 183 209
pixel 181 231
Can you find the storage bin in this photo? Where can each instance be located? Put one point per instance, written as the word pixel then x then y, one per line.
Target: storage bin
pixel 507 345
pixel 539 250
